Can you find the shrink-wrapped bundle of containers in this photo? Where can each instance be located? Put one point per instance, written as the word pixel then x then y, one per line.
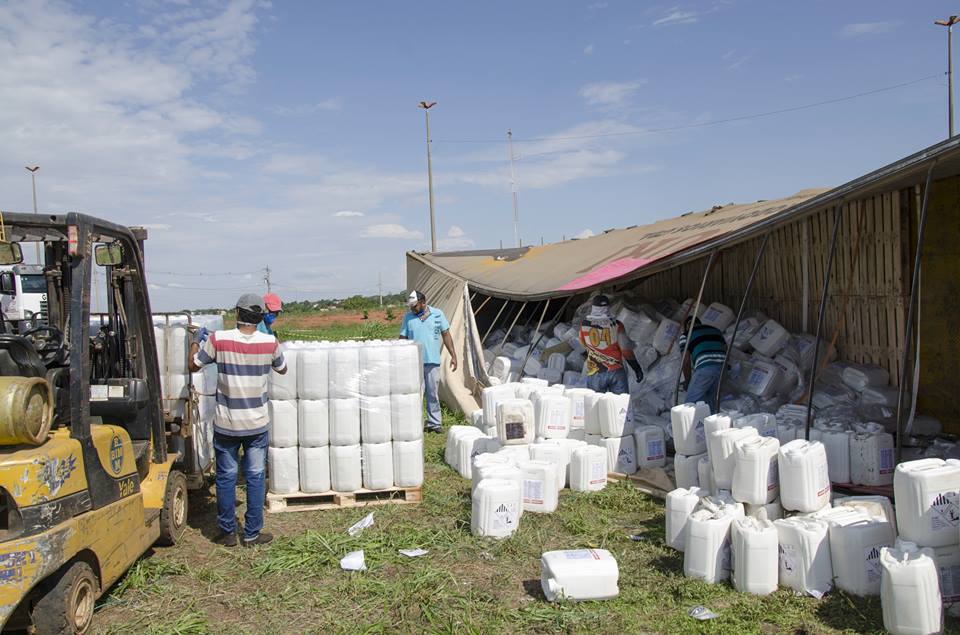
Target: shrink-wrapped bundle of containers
pixel 346 416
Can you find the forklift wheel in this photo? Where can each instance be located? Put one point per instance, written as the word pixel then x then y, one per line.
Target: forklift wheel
pixel 173 516
pixel 66 607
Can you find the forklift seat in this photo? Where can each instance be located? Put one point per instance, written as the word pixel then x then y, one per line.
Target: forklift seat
pixel 19 358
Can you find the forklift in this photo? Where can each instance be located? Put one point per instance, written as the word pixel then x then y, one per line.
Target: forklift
pixel 106 475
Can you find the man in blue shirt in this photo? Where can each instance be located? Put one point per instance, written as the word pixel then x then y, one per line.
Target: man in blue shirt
pixel 274 308
pixel 704 356
pixel 428 326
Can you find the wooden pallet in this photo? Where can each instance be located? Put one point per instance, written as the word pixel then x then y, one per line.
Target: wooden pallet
pixel 655 482
pixel 305 502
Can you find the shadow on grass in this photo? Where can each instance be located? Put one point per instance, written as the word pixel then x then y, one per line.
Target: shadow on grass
pixel 844 611
pixel 203 513
pixel 667 565
pixel 534 589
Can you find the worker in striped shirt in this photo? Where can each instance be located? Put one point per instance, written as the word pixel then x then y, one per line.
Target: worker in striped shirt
pixel 705 354
pixel 244 357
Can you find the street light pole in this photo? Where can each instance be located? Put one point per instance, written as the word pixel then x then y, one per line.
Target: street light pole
pixel 513 188
pixel 949 22
pixel 33 181
pixel 433 223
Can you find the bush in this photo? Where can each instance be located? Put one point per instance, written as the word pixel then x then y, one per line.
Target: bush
pixel 390 315
pixel 366 314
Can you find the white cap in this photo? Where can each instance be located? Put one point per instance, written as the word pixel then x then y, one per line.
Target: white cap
pixel 414 298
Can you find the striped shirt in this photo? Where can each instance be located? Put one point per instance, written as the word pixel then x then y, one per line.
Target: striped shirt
pixel 243 366
pixel 708 346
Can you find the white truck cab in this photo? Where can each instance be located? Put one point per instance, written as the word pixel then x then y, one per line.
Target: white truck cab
pixel 23 292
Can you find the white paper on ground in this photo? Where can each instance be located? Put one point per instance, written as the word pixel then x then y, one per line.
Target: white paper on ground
pixel 360 525
pixel 413 553
pixel 353 561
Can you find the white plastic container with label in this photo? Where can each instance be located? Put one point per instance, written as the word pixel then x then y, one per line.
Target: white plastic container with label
pixel 686 469
pixel 344 421
pixel 718 315
pixel 878 507
pixel 689 436
pixel 315 469
pixel 612 414
pixel 553 417
pixel 591 414
pixel 910 591
pixel 345 472
pixel 665 337
pixel 715 423
pixel 837 445
pixel 805 562
pixel 284 472
pixel 312 373
pixel 375 419
pixel 467 446
pixel 408 463
pixel 406 372
pixel 284 387
pixel 493 395
pixel 484 464
pixel 579 574
pixel 773 511
pixel 705 475
pixel 770 339
pixel 927 492
pixel 707 551
pixel 588 469
pixel 450 455
pixel 313 421
pixel 872 459
pixel 539 486
pixel 855 544
pixel 567 446
pixel 679 505
pixel 756 479
pixel 764 379
pixel 344 369
pixel 621 454
pixel 860 376
pixel 723 460
pixel 515 421
pixel 377 465
pixel 948 563
pixel 552 454
pixel 763 422
pixel 495 509
pixel 651 447
pixel 577 397
pixel 755 554
pixel 283 428
pixel 406 417
pixel 804 479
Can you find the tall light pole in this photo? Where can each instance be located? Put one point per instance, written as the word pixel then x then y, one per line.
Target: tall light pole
pixel 949 22
pixel 433 222
pixel 513 188
pixel 33 181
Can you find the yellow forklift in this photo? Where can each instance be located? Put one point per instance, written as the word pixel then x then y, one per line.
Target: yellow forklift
pixel 91 472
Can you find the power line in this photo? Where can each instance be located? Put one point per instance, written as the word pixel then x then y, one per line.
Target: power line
pixel 203 274
pixel 702 124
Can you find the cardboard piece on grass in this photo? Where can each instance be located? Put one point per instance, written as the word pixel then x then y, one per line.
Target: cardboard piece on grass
pixel 414 553
pixel 353 561
pixel 360 525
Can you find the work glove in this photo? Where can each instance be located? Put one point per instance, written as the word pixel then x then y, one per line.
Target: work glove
pixel 201 335
pixel 635 367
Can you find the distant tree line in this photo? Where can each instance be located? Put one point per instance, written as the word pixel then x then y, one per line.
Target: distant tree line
pixel 353 303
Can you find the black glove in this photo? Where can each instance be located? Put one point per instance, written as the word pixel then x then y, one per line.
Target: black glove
pixel 635 367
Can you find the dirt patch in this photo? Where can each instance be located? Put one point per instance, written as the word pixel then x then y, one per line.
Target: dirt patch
pixel 321 320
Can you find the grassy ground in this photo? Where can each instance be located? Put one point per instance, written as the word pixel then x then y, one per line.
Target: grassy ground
pixel 464 585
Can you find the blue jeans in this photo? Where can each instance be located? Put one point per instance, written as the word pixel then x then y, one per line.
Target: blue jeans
pixel 614 381
pixel 227 449
pixel 431 384
pixel 703 386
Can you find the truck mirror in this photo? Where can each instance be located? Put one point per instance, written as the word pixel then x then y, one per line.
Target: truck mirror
pixel 109 255
pixel 10 254
pixel 6 283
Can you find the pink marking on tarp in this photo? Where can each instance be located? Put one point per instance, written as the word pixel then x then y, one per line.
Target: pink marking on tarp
pixel 611 270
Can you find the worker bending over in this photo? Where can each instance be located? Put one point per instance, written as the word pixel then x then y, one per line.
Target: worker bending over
pixel 608 349
pixel 428 326
pixel 706 353
pixel 244 357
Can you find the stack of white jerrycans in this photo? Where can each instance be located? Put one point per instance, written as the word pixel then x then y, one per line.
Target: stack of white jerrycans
pixel 346 416
pixel 189 396
pixel 528 442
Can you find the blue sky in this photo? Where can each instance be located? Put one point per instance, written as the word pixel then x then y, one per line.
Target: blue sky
pixel 245 133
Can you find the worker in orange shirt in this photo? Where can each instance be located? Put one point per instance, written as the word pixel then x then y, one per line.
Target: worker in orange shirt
pixel 608 349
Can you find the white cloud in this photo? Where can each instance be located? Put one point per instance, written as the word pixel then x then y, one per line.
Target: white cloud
pixel 455 232
pixel 676 16
pixel 856 29
pixel 156 226
pixel 390 230
pixel 586 233
pixel 588 49
pixel 597 5
pixel 455 240
pixel 346 213
pixel 733 59
pixel 300 110
pixel 610 94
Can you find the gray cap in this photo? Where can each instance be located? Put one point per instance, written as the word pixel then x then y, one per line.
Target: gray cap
pixel 250 302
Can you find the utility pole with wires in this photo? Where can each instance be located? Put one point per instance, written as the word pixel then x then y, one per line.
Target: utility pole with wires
pixel 33 180
pixel 380 287
pixel 433 223
pixel 949 22
pixel 513 189
pixel 266 277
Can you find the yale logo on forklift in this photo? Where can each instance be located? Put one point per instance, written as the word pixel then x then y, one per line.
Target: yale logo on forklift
pixel 116 454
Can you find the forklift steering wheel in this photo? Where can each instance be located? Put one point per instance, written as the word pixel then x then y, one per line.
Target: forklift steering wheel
pixel 51 346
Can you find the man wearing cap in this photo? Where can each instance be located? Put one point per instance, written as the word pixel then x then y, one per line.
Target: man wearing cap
pixel 244 357
pixel 608 349
pixel 428 326
pixel 274 308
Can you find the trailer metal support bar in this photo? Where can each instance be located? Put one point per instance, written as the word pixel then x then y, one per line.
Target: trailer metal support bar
pixel 693 311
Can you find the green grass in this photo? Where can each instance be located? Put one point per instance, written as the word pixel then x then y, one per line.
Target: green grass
pixel 464 585
pixel 339 331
